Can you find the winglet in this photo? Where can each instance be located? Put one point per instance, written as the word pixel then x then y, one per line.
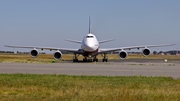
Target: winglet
pixel 89 24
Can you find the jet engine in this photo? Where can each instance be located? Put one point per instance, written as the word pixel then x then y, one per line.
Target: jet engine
pixel 34 53
pixel 123 54
pixel 146 52
pixel 57 55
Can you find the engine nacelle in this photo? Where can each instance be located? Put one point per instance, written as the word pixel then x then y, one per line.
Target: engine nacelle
pixel 122 54
pixel 57 55
pixel 34 53
pixel 146 52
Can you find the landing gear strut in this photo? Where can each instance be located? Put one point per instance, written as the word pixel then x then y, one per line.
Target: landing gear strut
pixel 105 59
pixel 85 59
pixel 75 59
pixel 95 59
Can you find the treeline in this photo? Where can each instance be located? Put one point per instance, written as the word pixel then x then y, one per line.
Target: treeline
pixel 172 52
pixel 6 52
pixel 17 52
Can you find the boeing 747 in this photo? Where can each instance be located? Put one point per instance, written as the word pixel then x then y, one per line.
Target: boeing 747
pixel 90 49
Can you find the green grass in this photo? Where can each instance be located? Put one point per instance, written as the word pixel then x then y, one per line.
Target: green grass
pixel 36 87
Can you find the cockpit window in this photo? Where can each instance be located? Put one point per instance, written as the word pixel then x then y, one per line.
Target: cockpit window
pixel 89 37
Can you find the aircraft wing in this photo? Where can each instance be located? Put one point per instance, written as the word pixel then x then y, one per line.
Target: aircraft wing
pixel 77 51
pixel 75 41
pixel 104 41
pixel 132 47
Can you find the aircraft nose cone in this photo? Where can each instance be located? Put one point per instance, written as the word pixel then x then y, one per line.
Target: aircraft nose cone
pixel 91 47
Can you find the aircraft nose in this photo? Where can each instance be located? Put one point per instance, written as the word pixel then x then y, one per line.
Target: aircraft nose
pixel 91 47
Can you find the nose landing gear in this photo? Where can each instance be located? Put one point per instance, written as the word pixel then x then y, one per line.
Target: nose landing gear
pixel 90 59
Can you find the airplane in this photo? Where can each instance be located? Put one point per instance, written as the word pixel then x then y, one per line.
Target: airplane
pixel 90 49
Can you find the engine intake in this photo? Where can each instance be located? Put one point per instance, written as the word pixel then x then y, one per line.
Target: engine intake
pixel 146 52
pixel 123 54
pixel 34 53
pixel 57 55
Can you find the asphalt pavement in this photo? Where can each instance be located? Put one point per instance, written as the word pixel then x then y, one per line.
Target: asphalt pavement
pixel 111 68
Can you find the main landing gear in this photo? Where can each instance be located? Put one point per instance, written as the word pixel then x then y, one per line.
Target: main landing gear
pixel 90 59
pixel 105 58
pixel 75 59
pixel 86 59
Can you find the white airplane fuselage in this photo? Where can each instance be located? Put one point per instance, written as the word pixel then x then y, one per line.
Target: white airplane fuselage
pixel 90 44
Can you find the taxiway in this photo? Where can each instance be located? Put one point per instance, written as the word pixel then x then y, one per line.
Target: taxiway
pixel 113 68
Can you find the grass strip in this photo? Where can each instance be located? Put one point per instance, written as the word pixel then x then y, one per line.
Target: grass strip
pixel 49 87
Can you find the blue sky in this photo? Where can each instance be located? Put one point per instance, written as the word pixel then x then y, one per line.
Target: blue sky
pixel 50 22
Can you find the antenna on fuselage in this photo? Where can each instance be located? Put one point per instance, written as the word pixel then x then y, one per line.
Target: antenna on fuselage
pixel 89 24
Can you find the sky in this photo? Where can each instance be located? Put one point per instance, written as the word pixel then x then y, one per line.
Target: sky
pixel 49 22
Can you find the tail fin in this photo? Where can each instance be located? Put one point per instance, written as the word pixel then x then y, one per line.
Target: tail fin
pixel 89 24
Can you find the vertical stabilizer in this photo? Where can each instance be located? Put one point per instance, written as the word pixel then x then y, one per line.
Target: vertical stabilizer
pixel 89 24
